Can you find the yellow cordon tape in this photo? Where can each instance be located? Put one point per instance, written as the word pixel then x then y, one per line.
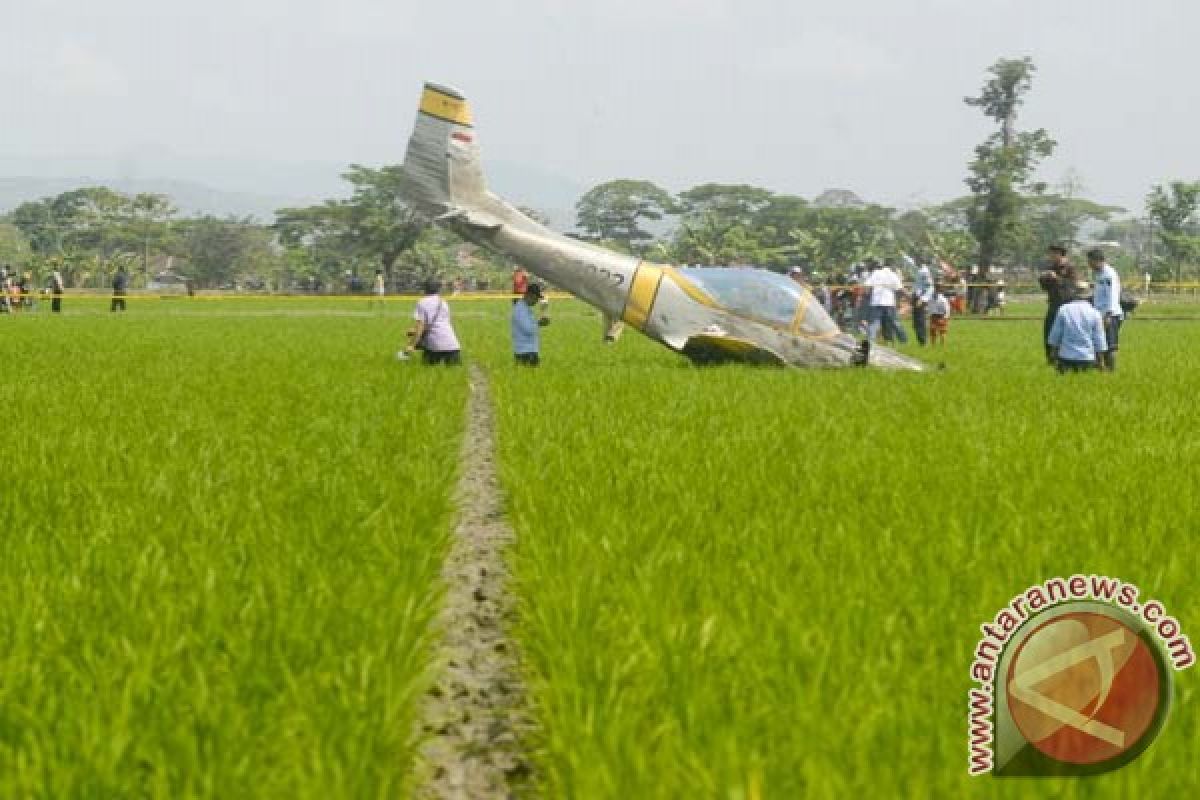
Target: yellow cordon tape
pixel 359 297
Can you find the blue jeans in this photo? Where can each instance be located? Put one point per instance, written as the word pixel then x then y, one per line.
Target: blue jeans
pixel 885 317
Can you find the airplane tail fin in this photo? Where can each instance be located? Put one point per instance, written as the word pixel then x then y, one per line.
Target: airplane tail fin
pixel 442 169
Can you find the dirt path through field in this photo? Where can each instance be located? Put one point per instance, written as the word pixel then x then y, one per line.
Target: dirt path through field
pixel 473 717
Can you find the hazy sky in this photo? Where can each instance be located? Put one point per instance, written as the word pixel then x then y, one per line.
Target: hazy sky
pixel 793 95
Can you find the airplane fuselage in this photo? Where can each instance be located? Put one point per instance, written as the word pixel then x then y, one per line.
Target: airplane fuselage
pixel 708 315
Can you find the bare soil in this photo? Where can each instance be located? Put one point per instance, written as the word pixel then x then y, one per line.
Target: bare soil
pixel 473 718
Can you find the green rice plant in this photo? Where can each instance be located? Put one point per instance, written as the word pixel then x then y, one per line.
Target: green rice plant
pixel 220 538
pixel 222 527
pixel 741 582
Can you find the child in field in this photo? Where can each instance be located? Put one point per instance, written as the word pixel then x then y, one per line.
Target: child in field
pixel 939 316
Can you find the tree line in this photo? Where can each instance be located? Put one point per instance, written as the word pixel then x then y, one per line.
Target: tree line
pixel 88 234
pixel 1007 219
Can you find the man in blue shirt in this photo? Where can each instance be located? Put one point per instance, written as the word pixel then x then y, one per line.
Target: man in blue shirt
pixel 526 337
pixel 1108 302
pixel 921 295
pixel 1077 335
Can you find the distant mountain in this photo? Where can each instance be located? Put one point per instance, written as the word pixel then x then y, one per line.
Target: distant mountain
pixel 247 187
pixel 189 197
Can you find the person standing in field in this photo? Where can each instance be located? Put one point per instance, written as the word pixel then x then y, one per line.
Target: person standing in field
pixel 1107 301
pixel 1059 281
pixel 1077 334
pixel 120 285
pixel 939 316
pixel 526 336
pixel 921 295
pixel 378 289
pixel 433 334
pixel 56 290
pixel 16 291
pixel 25 284
pixel 4 290
pixel 883 284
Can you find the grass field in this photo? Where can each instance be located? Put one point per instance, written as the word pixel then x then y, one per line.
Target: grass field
pixel 222 525
pixel 221 538
pixel 745 581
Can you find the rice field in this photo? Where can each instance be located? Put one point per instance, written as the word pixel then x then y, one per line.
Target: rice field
pixel 222 526
pixel 221 541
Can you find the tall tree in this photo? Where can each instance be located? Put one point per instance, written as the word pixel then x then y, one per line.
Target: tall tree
pixel 710 241
pixel 14 246
pixel 1005 162
pixel 373 225
pixel 1055 218
pixel 718 225
pixel 1173 208
pixel 726 204
pixel 220 250
pixel 148 225
pixel 96 225
pixel 614 211
pixel 836 238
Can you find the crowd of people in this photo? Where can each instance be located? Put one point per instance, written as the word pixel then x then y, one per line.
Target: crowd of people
pixel 867 301
pixel 17 295
pixel 15 291
pixel 1082 328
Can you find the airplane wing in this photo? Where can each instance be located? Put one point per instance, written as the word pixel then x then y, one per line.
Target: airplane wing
pixel 706 348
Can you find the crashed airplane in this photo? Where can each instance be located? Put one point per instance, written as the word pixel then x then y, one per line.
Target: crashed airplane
pixel 707 314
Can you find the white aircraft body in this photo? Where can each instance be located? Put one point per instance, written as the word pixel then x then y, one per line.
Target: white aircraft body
pixel 706 313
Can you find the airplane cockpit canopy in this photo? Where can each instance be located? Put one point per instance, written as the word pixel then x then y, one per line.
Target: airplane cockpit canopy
pixel 764 296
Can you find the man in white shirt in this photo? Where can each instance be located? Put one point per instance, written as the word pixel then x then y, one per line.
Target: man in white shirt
pixel 883 283
pixel 1077 335
pixel 1107 301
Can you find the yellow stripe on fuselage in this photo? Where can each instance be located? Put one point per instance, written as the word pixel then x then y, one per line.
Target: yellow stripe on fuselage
pixel 689 288
pixel 642 291
pixel 801 309
pixel 445 107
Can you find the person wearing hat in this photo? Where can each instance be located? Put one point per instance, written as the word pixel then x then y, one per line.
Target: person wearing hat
pixel 1107 301
pixel 1077 334
pixel 526 336
pixel 1059 281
